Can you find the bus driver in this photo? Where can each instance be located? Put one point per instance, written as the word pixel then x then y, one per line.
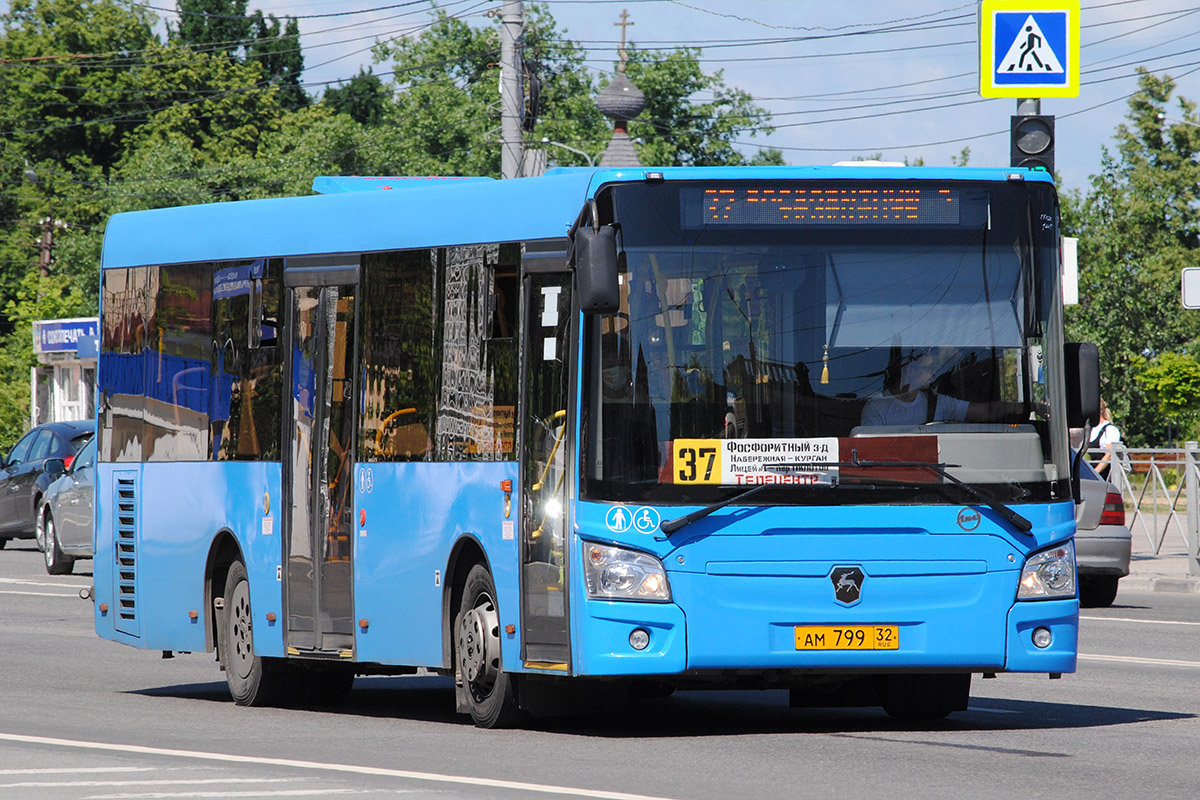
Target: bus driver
pixel 910 399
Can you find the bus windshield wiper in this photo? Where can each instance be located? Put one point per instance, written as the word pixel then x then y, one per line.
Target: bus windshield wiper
pixel 670 526
pixel 1012 517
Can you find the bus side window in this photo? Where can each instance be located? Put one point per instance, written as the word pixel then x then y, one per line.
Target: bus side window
pixel 247 370
pixel 264 298
pixel 504 302
pixel 398 366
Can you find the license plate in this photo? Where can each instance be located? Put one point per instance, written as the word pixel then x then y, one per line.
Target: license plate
pixel 847 637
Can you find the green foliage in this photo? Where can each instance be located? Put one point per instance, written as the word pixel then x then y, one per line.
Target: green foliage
pixel 678 131
pixel 219 26
pixel 363 99
pixel 277 53
pixel 1137 229
pixel 1172 382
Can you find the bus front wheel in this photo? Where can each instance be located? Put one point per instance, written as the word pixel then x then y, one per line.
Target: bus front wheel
pixel 253 680
pixel 491 693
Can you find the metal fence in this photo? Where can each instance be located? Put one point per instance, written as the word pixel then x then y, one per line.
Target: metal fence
pixel 1161 489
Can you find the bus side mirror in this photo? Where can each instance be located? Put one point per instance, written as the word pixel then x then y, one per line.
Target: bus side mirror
pixel 596 269
pixel 1082 366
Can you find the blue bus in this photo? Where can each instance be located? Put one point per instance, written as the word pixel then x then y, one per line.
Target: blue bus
pixel 596 433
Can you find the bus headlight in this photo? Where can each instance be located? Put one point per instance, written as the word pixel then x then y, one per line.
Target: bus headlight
pixel 614 573
pixel 1050 573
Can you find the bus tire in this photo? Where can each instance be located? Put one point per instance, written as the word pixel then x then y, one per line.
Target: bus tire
pixel 491 693
pixel 253 680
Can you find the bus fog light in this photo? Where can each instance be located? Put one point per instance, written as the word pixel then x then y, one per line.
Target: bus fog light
pixel 1042 638
pixel 639 639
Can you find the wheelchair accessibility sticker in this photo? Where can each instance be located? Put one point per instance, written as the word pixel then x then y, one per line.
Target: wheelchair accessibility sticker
pixel 620 519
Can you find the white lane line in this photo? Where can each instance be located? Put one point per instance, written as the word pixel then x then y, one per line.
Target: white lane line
pixel 1154 662
pixel 40 594
pixel 29 582
pixel 1144 621
pixel 62 770
pixel 178 782
pixel 432 777
pixel 284 793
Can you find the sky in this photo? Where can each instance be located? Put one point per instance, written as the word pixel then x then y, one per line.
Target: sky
pixel 842 80
pixel 838 78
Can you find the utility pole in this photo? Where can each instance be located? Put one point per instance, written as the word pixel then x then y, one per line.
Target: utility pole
pixel 46 241
pixel 511 142
pixel 46 245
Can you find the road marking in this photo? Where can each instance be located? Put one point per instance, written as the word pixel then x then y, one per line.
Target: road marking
pixel 39 594
pixel 1146 621
pixel 432 777
pixel 61 770
pixel 1155 662
pixel 283 793
pixel 164 782
pixel 28 582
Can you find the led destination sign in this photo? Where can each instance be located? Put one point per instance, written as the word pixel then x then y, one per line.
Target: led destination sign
pixel 762 206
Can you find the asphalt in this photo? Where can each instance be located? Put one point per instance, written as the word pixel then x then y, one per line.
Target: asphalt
pixel 1169 570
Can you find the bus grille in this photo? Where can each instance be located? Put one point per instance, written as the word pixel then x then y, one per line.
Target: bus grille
pixel 125 551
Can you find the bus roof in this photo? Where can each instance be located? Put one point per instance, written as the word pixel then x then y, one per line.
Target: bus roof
pixel 356 215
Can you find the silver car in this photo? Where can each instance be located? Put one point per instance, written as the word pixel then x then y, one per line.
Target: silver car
pixel 1102 542
pixel 64 522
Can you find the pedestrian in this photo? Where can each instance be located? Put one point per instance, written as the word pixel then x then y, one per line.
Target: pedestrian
pixel 1103 438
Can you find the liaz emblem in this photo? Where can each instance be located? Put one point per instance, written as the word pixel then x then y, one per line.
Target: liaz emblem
pixel 847 584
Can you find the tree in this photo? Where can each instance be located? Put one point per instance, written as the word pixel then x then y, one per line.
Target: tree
pixel 678 131
pixel 70 95
pixel 363 99
pixel 1172 383
pixel 1137 229
pixel 445 111
pixel 219 26
pixel 277 53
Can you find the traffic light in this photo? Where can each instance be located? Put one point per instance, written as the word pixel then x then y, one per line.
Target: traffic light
pixel 1032 142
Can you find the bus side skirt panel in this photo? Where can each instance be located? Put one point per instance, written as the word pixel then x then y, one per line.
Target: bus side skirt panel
pixel 181 506
pixel 408 517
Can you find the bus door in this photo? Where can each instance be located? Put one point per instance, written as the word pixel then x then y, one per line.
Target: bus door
pixel 546 453
pixel 318 454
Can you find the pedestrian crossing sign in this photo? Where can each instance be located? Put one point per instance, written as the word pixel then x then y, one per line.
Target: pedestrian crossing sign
pixel 1029 48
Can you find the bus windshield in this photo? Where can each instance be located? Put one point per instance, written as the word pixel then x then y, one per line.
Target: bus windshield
pixel 828 319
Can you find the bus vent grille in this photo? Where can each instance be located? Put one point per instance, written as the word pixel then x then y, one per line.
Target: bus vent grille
pixel 125 552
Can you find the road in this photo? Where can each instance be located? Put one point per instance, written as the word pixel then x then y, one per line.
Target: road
pixel 86 718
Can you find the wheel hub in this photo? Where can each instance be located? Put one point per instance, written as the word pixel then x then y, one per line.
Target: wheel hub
pixel 242 638
pixel 479 644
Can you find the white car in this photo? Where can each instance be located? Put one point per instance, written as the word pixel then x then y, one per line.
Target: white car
pixel 1102 541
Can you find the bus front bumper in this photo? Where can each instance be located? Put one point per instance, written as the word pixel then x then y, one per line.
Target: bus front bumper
pixel 943 622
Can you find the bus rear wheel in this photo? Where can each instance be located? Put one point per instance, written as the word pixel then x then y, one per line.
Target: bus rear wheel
pixel 253 680
pixel 491 693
